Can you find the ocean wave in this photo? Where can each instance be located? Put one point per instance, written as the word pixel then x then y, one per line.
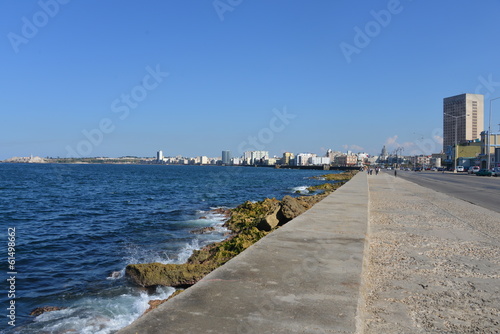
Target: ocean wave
pixel 98 314
pixel 137 254
pixel 300 190
pixel 187 251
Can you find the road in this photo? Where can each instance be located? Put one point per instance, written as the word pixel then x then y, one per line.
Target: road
pixel 480 190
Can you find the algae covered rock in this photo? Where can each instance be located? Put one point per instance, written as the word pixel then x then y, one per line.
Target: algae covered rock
pixel 250 214
pixel 344 176
pixel 326 187
pixel 175 275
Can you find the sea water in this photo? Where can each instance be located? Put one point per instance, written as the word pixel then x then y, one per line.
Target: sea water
pixel 78 226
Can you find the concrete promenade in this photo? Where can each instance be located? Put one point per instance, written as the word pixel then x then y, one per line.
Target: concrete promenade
pixel 433 264
pixel 379 255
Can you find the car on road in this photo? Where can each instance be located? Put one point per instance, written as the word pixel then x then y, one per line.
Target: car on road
pixel 474 169
pixel 483 172
pixel 460 169
pixel 441 169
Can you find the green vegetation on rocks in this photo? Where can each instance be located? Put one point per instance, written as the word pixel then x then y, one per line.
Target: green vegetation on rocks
pixel 345 176
pixel 249 222
pixel 327 187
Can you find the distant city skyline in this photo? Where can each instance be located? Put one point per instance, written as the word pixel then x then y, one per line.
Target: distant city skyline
pixel 120 78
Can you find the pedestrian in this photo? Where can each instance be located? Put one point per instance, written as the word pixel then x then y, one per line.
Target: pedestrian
pixel 395 173
pixel 377 170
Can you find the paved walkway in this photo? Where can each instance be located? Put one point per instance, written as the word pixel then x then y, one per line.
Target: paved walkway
pixel 433 264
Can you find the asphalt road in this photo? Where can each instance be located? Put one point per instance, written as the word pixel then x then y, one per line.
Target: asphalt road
pixel 480 190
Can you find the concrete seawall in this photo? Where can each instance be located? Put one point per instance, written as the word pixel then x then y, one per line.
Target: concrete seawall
pixel 303 278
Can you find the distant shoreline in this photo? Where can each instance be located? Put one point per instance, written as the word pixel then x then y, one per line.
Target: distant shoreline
pixel 141 161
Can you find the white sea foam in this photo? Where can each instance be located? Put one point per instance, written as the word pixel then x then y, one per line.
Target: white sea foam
pixel 187 251
pixel 301 190
pixel 116 275
pixel 97 315
pixel 212 216
pixel 136 254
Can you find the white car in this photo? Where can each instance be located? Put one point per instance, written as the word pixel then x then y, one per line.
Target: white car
pixel 474 169
pixel 460 169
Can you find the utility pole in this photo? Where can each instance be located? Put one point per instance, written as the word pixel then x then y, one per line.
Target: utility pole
pixel 456 134
pixel 488 165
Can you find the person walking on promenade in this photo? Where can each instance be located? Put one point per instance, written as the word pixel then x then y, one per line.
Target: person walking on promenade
pixel 395 173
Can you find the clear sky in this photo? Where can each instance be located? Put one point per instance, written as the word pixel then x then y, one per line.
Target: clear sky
pixel 118 77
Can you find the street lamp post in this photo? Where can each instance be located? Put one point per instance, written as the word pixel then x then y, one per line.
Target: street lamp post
pixel 456 134
pixel 489 136
pixel 398 150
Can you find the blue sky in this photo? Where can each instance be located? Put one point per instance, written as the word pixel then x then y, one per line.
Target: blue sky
pixel 115 78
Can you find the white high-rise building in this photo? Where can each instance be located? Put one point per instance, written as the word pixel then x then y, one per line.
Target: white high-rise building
pixel 203 160
pixel 318 161
pixel 256 157
pixel 302 159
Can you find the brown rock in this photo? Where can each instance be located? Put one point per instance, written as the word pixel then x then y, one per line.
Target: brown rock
pixel 270 221
pixel 157 302
pixel 222 211
pixel 291 208
pixel 203 230
pixel 309 201
pixel 40 310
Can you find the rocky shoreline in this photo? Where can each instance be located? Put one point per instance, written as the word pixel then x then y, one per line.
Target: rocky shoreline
pixel 247 223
